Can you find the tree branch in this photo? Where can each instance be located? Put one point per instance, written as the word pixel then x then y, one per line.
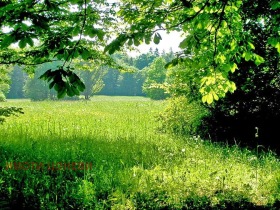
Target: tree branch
pixel 192 17
pixel 218 27
pixel 81 33
pixel 24 63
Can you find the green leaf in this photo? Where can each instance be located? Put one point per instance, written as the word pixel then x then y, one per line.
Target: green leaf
pixel 277 46
pixel 7 41
pixel 56 86
pixel 112 50
pixel 157 38
pixel 230 67
pixel 233 67
pixel 209 98
pixel 61 93
pixel 22 43
pixel 75 90
pixel 204 99
pixel 275 4
pixel 184 43
pixel 238 3
pixel 24 27
pixel 258 59
pixel 130 42
pixel 81 86
pixel 232 87
pixel 90 31
pixel 273 41
pixel 76 31
pixel 51 84
pixel 50 5
pixel 251 46
pixel 247 55
pixel 136 42
pixel 100 35
pixel 147 39
pixel 216 97
pixel 173 63
pixel 85 54
pixel 233 45
pixel 221 58
pixel 29 41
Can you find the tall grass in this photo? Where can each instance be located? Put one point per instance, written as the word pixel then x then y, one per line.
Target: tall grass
pixel 133 166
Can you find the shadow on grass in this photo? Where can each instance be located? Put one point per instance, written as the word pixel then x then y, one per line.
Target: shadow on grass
pixel 58 189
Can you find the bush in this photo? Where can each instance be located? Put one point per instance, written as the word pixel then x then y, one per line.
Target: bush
pixel 155 93
pixel 2 97
pixel 181 116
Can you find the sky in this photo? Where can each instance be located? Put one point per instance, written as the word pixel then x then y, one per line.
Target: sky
pixel 171 40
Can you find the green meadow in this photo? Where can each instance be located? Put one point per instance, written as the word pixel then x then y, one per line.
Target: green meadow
pixel 132 164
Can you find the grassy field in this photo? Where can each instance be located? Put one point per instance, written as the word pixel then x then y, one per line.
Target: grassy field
pixel 44 156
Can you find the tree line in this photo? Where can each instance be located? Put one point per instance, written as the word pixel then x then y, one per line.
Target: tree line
pixel 142 71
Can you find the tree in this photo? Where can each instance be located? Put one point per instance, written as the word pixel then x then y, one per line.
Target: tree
pixel 126 84
pixel 4 81
pixel 52 30
pixel 36 89
pixel 18 77
pixel 92 78
pixel 214 44
pixel 184 111
pixel 215 40
pixel 139 78
pixel 111 82
pixel 251 113
pixel 144 60
pixel 155 77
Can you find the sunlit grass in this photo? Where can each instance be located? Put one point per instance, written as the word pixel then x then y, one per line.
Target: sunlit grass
pixel 134 166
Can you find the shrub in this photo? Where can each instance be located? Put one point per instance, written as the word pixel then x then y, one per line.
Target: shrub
pixel 2 97
pixel 181 116
pixel 155 93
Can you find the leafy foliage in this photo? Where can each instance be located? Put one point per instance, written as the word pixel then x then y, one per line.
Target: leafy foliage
pixel 37 89
pixel 52 30
pixel 4 81
pixel 215 37
pixel 251 113
pixel 182 117
pixel 64 82
pixel 18 79
pixel 2 97
pixel 8 111
pixel 155 78
pixel 92 77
